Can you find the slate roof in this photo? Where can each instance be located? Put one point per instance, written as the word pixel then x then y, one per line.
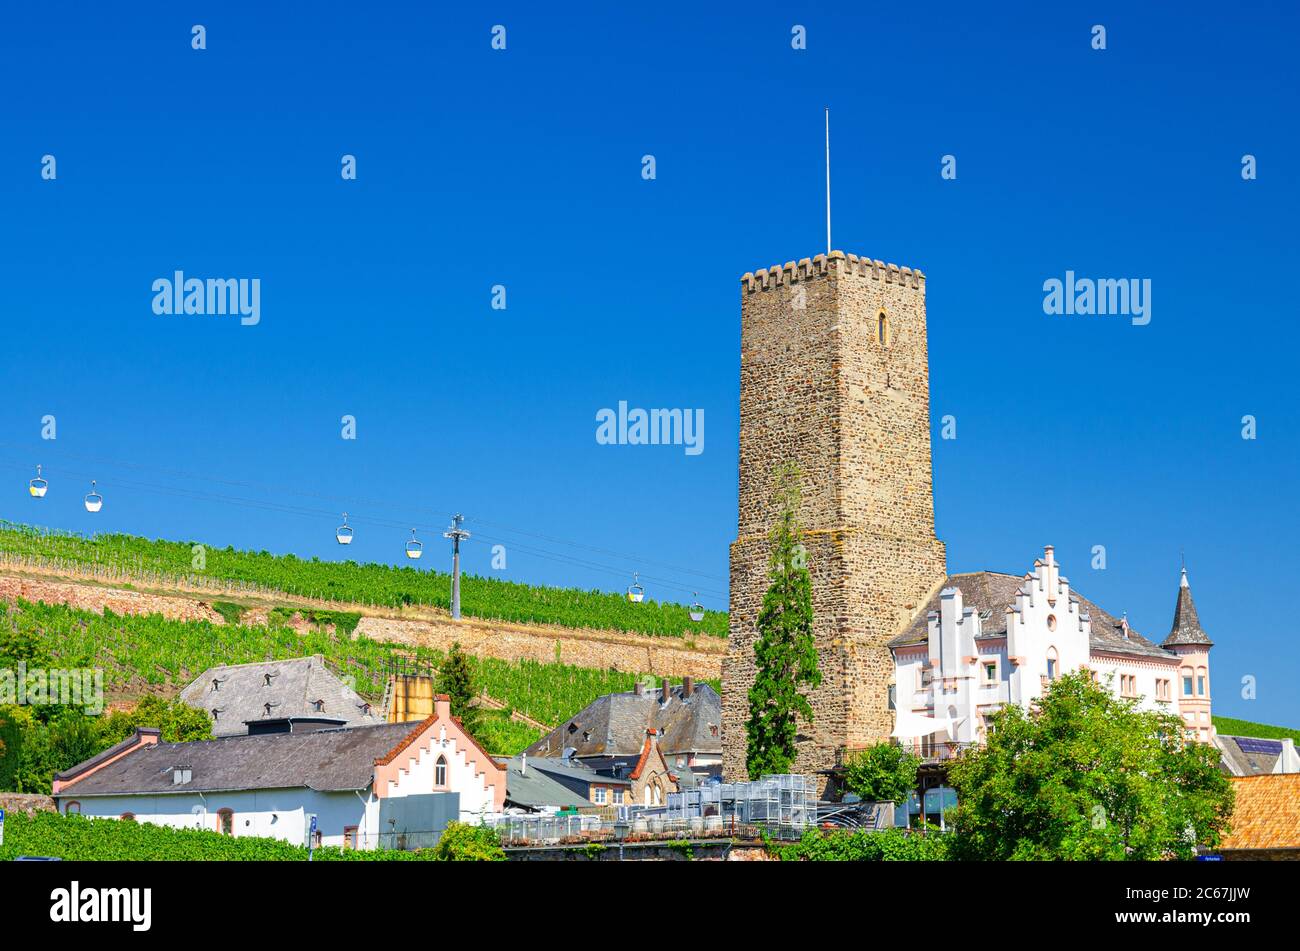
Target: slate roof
pixel 296 684
pixel 532 788
pixel 1267 813
pixel 1254 756
pixel 616 724
pixel 1187 626
pixel 990 593
pixel 334 759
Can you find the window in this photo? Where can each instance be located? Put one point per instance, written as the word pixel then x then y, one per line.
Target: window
pixel 893 696
pixel 72 809
pixel 225 822
pixel 1187 683
pixel 882 329
pixel 1051 622
pixel 618 797
pixel 598 795
pixel 349 837
pixel 440 772
pixel 1200 682
pixel 1052 663
pixel 990 672
pixel 127 817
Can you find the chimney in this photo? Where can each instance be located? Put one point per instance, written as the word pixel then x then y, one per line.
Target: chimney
pixel 442 706
pixel 688 687
pixel 664 693
pixel 523 764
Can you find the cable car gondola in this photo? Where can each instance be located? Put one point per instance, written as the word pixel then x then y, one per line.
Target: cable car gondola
pixel 38 486
pixel 94 501
pixel 697 609
pixel 344 533
pixel 414 548
pixel 636 593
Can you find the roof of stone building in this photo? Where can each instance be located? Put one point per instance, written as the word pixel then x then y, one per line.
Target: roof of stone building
pixel 333 759
pixel 990 593
pixel 1267 813
pixel 1187 626
pixel 242 694
pixel 616 724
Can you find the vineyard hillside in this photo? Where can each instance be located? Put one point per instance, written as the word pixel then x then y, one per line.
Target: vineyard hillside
pixel 191 565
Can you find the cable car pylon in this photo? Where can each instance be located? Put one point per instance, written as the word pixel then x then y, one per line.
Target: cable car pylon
pixel 455 533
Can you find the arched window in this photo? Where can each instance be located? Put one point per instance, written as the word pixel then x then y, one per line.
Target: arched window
pixel 1187 681
pixel 226 821
pixel 1053 664
pixel 127 817
pixel 647 795
pixel 882 329
pixel 73 808
pixel 1202 681
pixel 1051 622
pixel 440 772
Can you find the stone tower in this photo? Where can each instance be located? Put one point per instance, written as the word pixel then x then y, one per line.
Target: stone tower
pixel 834 376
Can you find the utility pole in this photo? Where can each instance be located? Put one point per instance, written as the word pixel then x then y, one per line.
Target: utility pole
pixel 455 533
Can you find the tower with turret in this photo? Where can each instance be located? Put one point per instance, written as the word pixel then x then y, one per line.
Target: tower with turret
pixel 1189 641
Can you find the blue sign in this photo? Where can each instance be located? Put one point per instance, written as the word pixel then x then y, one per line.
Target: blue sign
pixel 1209 858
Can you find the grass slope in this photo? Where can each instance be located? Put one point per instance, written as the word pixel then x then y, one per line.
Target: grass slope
pixel 1235 727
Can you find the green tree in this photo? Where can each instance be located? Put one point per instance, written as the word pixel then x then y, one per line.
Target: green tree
pixel 462 842
pixel 883 772
pixel 785 652
pixel 178 721
pixel 456 680
pixel 1086 775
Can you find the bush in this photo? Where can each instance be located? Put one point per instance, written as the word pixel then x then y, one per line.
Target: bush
pixel 461 842
pixel 890 845
pixel 78 838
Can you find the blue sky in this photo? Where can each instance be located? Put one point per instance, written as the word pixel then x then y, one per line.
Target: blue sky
pixel 522 168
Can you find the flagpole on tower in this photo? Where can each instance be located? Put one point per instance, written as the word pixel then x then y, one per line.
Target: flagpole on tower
pixel 828 181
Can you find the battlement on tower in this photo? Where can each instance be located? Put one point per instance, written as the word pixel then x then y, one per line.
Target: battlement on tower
pixel 806 269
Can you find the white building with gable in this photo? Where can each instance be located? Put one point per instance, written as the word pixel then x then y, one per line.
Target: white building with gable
pixel 987 639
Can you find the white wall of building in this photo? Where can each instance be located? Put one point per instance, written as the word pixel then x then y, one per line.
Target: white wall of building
pixel 282 814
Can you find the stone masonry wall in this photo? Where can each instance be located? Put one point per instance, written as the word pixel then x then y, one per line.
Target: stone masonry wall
pixel 699 657
pixel 89 597
pixel 818 387
pixel 663 656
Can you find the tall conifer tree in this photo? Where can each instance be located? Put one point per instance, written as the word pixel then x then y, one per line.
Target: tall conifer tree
pixel 785 652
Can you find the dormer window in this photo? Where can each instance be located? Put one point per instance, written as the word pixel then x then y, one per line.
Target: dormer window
pixel 267 680
pixel 216 685
pixel 267 708
pixel 181 775
pixel 319 706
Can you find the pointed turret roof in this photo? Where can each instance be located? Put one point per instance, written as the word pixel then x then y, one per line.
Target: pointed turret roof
pixel 1187 626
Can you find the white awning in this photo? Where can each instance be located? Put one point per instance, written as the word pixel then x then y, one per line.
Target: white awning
pixel 911 725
